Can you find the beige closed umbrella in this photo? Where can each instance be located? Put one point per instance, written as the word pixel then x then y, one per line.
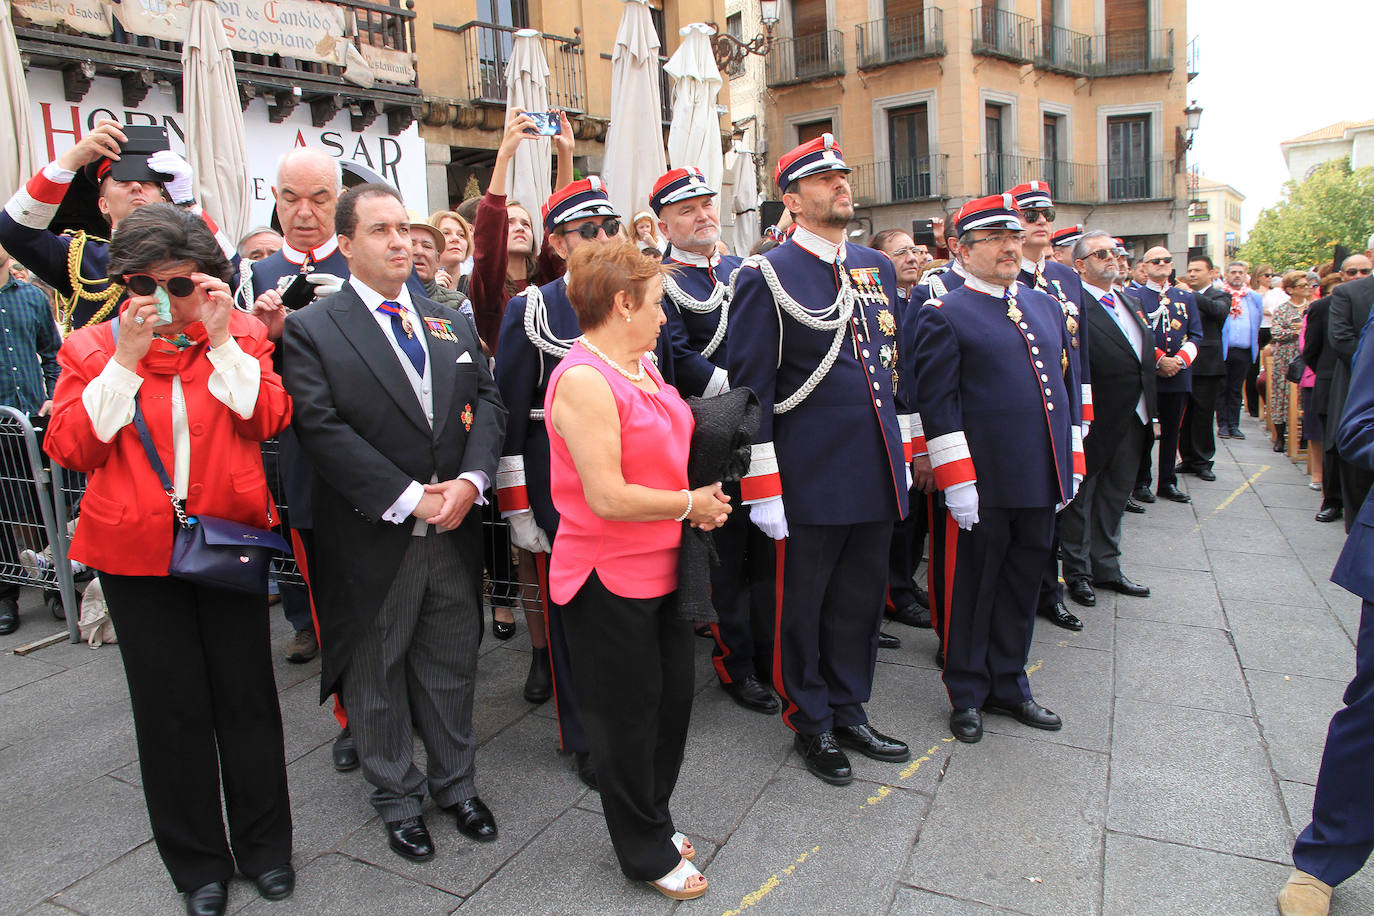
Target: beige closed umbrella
pixel 745 203
pixel 17 162
pixel 215 145
pixel 634 141
pixel 527 82
pixel 694 131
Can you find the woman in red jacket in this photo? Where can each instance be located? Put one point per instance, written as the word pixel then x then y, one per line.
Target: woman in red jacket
pixel 197 658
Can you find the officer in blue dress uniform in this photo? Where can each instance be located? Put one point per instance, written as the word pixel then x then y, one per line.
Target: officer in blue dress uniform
pixel 813 332
pixel 994 387
pixel 1039 271
pixel 1063 241
pixel 696 295
pixel 1340 838
pixel 1177 324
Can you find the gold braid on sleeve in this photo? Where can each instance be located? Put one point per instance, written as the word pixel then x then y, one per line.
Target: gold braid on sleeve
pixel 83 288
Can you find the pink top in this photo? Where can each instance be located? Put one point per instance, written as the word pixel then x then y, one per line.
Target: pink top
pixel 633 559
pixel 1309 377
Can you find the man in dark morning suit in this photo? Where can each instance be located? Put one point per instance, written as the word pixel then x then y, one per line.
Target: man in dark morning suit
pixel 1319 355
pixel 696 296
pixel 1197 442
pixel 1041 272
pixel 813 333
pixel 1173 314
pixel 1340 838
pixel 1124 401
pixel 1350 307
pixel 399 416
pixel 1000 405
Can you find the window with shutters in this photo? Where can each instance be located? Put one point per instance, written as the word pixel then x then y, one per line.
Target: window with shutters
pixel 1128 158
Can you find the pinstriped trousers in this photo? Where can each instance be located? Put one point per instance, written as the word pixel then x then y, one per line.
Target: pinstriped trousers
pixel 417 663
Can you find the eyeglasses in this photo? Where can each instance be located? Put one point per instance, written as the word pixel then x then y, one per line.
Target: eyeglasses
pixel 1032 214
pixel 1358 271
pixel 1000 238
pixel 909 250
pixel 1160 262
pixel 146 285
pixel 1102 254
pixel 589 230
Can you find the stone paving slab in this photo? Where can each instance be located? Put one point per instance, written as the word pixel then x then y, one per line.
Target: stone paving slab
pixel 1244 535
pixel 1175 665
pixel 1295 741
pixel 912 901
pixel 1277 580
pixel 1176 595
pixel 1076 684
pixel 1166 879
pixel 339 884
pixel 1287 639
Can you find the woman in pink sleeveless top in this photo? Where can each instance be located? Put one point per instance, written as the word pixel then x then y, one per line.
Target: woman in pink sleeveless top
pixel 618 442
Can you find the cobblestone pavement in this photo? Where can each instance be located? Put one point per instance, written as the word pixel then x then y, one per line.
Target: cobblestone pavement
pixel 1195 722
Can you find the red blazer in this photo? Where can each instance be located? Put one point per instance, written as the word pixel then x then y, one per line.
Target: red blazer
pixel 126 518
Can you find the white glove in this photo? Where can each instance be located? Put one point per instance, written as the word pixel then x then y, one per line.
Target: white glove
pixel 1086 425
pixel 962 502
pixel 526 533
pixel 909 479
pixel 325 284
pixel 1073 488
pixel 179 186
pixel 769 516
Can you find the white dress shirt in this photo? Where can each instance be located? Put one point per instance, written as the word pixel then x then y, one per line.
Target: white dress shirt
pixel 1130 328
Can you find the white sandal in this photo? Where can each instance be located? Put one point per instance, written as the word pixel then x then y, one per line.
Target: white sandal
pixel 674 884
pixel 684 846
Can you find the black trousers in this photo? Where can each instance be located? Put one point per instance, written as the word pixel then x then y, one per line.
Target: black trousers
pixel 1238 367
pixel 1051 589
pixel 1252 398
pixel 633 674
pixel 1197 441
pixel 1355 486
pixel 742 594
pixel 1172 406
pixel 572 738
pixel 904 556
pixel 944 540
pixel 198 662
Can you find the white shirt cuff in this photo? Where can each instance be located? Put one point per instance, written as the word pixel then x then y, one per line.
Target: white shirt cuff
pixel 479 480
pixel 236 378
pixel 405 504
pixel 58 175
pixel 109 400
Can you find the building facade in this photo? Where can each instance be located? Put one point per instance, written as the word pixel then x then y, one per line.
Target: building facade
pixel 1214 221
pixel 935 105
pixel 1353 140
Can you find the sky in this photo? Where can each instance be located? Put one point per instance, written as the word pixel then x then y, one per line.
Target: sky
pixel 1270 72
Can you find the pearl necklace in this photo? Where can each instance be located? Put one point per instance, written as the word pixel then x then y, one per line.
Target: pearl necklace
pixel 632 376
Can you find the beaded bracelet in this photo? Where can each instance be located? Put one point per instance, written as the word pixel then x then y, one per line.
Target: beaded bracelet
pixel 688 511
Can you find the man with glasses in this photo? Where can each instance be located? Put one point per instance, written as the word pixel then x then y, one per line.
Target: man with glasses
pixel 1350 308
pixel 998 397
pixel 1239 348
pixel 1197 444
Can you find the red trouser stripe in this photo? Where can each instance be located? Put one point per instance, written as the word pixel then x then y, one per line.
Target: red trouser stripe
pixel 719 660
pixel 298 547
pixel 789 707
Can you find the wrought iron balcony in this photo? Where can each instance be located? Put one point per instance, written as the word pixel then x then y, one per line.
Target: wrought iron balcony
pixel 811 57
pixel 998 33
pixel 1064 51
pixel 1194 55
pixel 486 49
pixel 1132 52
pixel 911 36
pixel 894 181
pixel 1079 182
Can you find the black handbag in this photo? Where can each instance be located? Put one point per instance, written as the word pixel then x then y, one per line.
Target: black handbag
pixel 1296 368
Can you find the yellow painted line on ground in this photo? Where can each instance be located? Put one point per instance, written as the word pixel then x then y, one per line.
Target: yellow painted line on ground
pixel 772 884
pixel 1234 493
pixel 1039 663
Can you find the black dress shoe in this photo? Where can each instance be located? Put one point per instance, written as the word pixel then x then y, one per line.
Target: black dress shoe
pixel 1224 433
pixel 501 629
pixel 539 682
pixel 913 615
pixel 1142 494
pixel 823 758
pixel 9 616
pixel 1124 586
pixel 345 752
pixel 1172 492
pixel 1236 433
pixel 967 725
pixel 1029 713
pixel 410 839
pixel 475 819
pixel 276 883
pixel 585 771
pixel 1205 474
pixel 923 597
pixel 1133 506
pixel 752 695
pixel 1059 615
pixel 1327 514
pixel 872 743
pixel 888 641
pixel 209 900
pixel 1081 591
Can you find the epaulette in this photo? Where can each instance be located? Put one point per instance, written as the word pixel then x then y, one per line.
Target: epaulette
pixel 937 303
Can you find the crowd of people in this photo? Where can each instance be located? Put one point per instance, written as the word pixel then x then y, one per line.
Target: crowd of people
pixel 504 405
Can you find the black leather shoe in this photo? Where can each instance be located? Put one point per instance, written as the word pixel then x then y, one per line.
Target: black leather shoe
pixel 410 839
pixel 501 629
pixel 1224 433
pixel 209 900
pixel 1236 433
pixel 823 758
pixel 539 682
pixel 9 616
pixel 913 615
pixel 923 597
pixel 872 743
pixel 1205 474
pixel 585 771
pixel 1124 586
pixel 1172 492
pixel 1327 514
pixel 1081 591
pixel 1059 615
pixel 276 883
pixel 967 725
pixel 475 819
pixel 1028 713
pixel 345 752
pixel 1133 506
pixel 1142 495
pixel 752 695
pixel 888 641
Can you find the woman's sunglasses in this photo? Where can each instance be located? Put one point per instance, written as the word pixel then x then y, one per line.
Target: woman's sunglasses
pixel 146 285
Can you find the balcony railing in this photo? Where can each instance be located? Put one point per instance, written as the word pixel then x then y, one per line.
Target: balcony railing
pixel 1063 51
pixel 894 181
pixel 1132 52
pixel 907 37
pixel 811 57
pixel 1194 55
pixel 1079 182
pixel 486 49
pixel 998 33
pixel 1142 179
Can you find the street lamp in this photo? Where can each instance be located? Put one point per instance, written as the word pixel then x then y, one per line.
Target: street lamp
pixel 731 51
pixel 1192 117
pixel 1193 114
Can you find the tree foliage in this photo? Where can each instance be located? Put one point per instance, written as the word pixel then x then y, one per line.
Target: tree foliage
pixel 1333 205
